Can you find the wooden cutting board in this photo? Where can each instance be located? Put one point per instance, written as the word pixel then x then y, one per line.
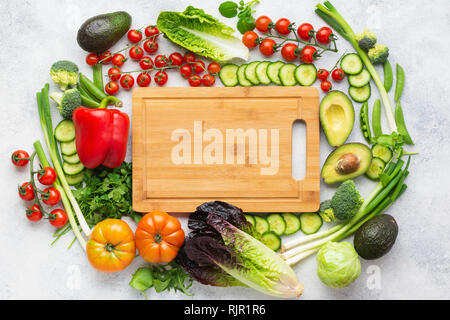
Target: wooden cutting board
pixel 193 145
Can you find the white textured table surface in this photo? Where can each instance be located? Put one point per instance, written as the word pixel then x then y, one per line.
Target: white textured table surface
pixel 34 34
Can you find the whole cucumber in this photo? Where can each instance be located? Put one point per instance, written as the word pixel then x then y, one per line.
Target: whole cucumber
pixel 99 33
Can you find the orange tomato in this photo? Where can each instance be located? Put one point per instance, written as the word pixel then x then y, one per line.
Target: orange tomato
pixel 111 246
pixel 159 237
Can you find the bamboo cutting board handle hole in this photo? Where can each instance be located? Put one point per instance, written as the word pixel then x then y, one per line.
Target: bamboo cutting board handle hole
pixel 298 149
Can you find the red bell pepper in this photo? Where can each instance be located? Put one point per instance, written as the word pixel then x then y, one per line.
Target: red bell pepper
pixel 101 136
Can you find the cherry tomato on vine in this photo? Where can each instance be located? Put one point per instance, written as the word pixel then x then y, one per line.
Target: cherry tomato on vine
pixel 143 79
pixel 26 191
pixel 34 213
pixel 208 80
pixel 106 57
pixel 57 218
pixel 118 59
pixel 47 176
pixel 151 46
pixel 305 31
pixel 288 51
pixel 136 53
pixel 186 71
pixel 338 74
pixel 161 61
pixel 176 59
pixel 323 35
pixel 263 23
pixel 152 31
pixel 189 57
pixel 161 78
pixel 199 66
pixel 249 39
pixel 146 63
pixel 114 73
pixel 322 74
pixel 325 85
pixel 266 47
pixel 18 158
pixel 195 80
pixel 307 54
pixel 127 81
pixel 51 196
pixel 134 35
pixel 111 88
pixel 92 59
pixel 214 68
pixel 282 26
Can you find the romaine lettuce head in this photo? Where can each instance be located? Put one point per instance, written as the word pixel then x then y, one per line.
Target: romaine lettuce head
pixel 201 33
pixel 338 264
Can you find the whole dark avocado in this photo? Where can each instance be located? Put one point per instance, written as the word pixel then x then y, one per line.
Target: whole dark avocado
pixel 99 33
pixel 376 237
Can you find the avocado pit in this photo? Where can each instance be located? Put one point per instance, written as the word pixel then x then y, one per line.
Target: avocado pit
pixel 347 163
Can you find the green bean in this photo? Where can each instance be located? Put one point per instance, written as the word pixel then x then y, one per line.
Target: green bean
pixel 400 82
pixel 400 122
pixel 98 76
pixel 388 76
pixel 376 119
pixel 364 122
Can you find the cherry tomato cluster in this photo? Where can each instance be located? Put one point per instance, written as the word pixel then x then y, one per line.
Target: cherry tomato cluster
pixel 337 74
pixel 28 191
pixel 308 44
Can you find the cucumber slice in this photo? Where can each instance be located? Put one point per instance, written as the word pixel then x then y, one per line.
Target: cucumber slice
pixel 250 72
pixel 360 94
pixel 68 148
pixel 351 64
pixel 75 179
pixel 359 80
pixel 261 224
pixel 73 159
pixel 273 71
pixel 250 219
pixel 306 74
pixel 65 131
pixel 276 223
pixel 272 240
pixel 292 223
pixel 72 169
pixel 228 75
pixel 243 81
pixel 382 152
pixel 376 169
pixel 287 76
pixel 310 222
pixel 261 72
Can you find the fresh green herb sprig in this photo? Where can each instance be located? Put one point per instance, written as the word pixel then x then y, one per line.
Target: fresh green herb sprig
pixel 246 22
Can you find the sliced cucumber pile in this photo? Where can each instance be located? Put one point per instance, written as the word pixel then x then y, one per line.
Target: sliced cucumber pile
pixel 276 223
pixel 382 152
pixel 261 72
pixel 242 79
pixel 273 72
pixel 250 73
pixel 376 169
pixel 292 223
pixel 261 224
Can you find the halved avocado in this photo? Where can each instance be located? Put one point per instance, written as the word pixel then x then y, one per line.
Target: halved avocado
pixel 337 117
pixel 346 162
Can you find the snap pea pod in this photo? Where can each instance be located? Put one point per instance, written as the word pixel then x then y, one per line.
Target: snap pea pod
pixel 96 92
pixel 88 102
pixel 401 126
pixel 376 119
pixel 364 123
pixel 399 83
pixel 98 76
pixel 388 76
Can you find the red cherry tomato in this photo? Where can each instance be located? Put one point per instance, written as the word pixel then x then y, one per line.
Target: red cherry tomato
pixel 189 57
pixel 263 23
pixel 118 59
pixel 338 74
pixel 266 47
pixel 114 73
pixel 26 191
pixel 111 88
pixel 214 68
pixel 151 46
pixel 186 71
pixel 146 63
pixel 307 54
pixel 143 79
pixel 283 26
pixel 92 59
pixel 208 80
pixel 325 85
pixel 18 158
pixel 51 196
pixel 57 218
pixel 199 66
pixel 134 35
pixel 161 61
pixel 323 35
pixel 34 213
pixel 249 39
pixel 322 74
pixel 152 31
pixel 195 80
pixel 136 53
pixel 127 81
pixel 106 57
pixel 161 78
pixel 305 31
pixel 176 59
pixel 289 51
pixel 47 176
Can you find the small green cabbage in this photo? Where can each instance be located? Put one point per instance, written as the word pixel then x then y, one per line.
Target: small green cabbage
pixel 338 264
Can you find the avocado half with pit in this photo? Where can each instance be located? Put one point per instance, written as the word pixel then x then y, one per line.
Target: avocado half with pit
pixel 346 162
pixel 337 117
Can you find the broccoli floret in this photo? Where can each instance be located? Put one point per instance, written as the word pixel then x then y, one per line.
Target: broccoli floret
pixel 326 211
pixel 366 40
pixel 346 201
pixel 378 54
pixel 64 73
pixel 67 102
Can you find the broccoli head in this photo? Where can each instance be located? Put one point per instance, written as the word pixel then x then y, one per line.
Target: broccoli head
pixel 64 73
pixel 346 201
pixel 366 40
pixel 326 211
pixel 67 102
pixel 378 54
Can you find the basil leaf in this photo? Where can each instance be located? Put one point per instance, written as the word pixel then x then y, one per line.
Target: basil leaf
pixel 246 24
pixel 228 9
